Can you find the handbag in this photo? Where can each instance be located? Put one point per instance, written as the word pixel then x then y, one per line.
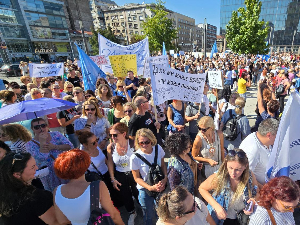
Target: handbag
pixel 241 217
pixel 98 216
pixel 91 176
pixel 280 89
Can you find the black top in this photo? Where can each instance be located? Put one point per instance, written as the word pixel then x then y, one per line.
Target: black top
pixel 68 115
pixel 116 120
pixel 137 122
pixel 75 81
pixel 29 212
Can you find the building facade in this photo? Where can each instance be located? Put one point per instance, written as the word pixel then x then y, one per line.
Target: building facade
pixel 211 35
pixel 283 17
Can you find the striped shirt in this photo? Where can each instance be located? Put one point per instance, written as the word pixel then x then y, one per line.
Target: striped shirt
pixel 261 217
pixel 18 146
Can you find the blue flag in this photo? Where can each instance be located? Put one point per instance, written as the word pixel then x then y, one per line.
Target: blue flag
pixel 164 52
pixel 90 71
pixel 214 49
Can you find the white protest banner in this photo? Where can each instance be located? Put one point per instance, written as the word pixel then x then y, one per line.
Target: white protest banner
pixel 215 79
pixel 99 60
pixel 169 84
pixel 46 70
pixel 181 52
pixel 108 48
pixel 285 156
pixel 172 52
pixel 175 56
pixel 195 54
pixel 162 60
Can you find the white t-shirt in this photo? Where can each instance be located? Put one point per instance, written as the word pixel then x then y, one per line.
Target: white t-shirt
pixel 233 74
pixel 122 162
pixel 226 106
pixel 137 164
pixel 99 162
pixel 258 156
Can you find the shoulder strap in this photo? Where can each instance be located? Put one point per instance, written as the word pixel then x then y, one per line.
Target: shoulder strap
pixel 271 217
pixel 96 169
pixel 156 155
pixel 143 159
pixel 94 195
pixel 240 116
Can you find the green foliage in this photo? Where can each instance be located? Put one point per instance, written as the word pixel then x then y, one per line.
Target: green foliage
pixel 136 38
pixel 245 33
pixel 104 32
pixel 159 28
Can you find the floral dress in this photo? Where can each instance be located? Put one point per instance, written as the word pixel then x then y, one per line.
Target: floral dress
pixel 50 181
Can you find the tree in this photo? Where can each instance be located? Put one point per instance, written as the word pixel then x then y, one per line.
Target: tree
pixel 108 33
pixel 136 38
pixel 245 33
pixel 159 28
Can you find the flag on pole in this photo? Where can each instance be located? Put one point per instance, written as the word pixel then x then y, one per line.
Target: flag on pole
pixel 285 157
pixel 214 49
pixel 90 71
pixel 164 52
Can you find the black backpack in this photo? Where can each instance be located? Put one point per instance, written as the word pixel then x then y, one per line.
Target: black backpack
pixel 155 173
pixel 230 129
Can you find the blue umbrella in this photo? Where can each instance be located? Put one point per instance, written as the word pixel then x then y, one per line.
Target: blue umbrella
pixel 32 109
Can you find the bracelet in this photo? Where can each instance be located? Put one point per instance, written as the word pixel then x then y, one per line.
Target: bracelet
pixel 87 126
pixel 113 179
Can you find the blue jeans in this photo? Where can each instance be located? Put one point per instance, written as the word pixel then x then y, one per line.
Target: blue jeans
pixel 243 96
pixel 254 79
pixel 148 207
pixel 73 139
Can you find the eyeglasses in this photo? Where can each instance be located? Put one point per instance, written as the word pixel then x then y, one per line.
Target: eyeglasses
pixel 56 88
pixel 287 208
pixel 128 111
pixel 17 157
pixel 233 153
pixel 90 109
pixel 69 87
pixel 37 127
pixel 88 96
pixel 35 93
pixel 193 208
pixel 113 135
pixel 77 93
pixel 203 129
pixel 144 143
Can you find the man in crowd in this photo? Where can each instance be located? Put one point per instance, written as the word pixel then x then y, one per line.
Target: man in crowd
pixel 112 83
pixel 73 78
pixel 132 84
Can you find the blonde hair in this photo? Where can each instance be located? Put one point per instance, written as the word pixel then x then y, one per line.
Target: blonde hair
pixel 16 131
pixel 222 177
pixel 34 81
pixel 31 85
pixel 78 89
pixel 144 132
pixel 92 101
pixel 129 104
pixel 33 90
pixel 67 83
pixel 206 121
pixel 239 105
pixel 120 83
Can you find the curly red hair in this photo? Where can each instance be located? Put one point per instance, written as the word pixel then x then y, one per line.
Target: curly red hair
pixel 281 188
pixel 72 164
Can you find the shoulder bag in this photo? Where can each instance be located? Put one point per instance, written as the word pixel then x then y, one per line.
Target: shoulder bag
pixel 271 217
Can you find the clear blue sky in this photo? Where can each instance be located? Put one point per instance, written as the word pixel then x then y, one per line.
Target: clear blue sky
pixel 197 9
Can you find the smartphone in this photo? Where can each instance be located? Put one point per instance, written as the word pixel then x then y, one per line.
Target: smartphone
pixel 249 206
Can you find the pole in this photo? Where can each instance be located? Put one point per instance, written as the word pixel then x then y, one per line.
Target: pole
pixel 71 46
pixel 155 113
pixel 205 36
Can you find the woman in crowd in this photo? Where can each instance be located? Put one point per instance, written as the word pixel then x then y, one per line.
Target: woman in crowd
pixel 72 200
pixel 22 203
pixel 243 126
pixel 118 158
pixel 4 150
pixel 44 148
pixel 243 83
pixel 277 199
pixel 145 143
pixel 18 136
pixel 104 95
pixel 116 113
pixel 29 87
pixel 179 207
pixel 121 90
pixel 182 169
pixel 78 95
pixel 176 117
pixel 35 93
pixel 208 146
pixel 232 187
pixel 230 104
pixel 89 94
pixel 68 88
pixel 281 79
pixel 129 109
pixel 37 81
pixel 7 97
pixel 25 80
pixel 56 91
pixel 92 120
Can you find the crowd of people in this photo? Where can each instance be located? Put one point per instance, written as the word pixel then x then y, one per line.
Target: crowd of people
pixel 180 162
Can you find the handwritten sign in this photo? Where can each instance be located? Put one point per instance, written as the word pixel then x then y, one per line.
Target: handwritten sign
pixel 169 84
pixel 46 70
pixel 215 79
pixel 162 60
pixel 172 52
pixel 99 60
pixel 121 64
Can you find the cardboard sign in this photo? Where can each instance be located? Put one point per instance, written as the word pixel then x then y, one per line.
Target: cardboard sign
pixel 99 60
pixel 46 70
pixel 162 60
pixel 121 64
pixel 215 79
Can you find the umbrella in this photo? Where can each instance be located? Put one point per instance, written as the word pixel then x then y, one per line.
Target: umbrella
pixel 32 109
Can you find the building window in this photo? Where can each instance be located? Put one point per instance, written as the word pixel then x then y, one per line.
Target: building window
pixel 129 19
pixel 121 17
pixel 136 26
pixel 134 17
pixel 141 18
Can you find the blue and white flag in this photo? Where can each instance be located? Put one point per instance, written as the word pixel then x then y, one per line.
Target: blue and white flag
pixel 164 52
pixel 90 71
pixel 285 156
pixel 108 48
pixel 214 50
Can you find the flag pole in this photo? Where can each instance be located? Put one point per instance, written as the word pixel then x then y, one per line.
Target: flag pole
pixel 155 113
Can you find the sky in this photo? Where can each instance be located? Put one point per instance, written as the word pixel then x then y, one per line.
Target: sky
pixel 197 9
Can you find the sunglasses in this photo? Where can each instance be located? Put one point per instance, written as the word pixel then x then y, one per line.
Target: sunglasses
pixel 37 127
pixel 92 109
pixel 88 96
pixel 287 208
pixel 77 93
pixel 113 135
pixel 36 93
pixel 193 208
pixel 56 88
pixel 144 143
pixel 240 154
pixel 120 86
pixel 69 87
pixel 203 129
pixel 128 111
pixel 17 157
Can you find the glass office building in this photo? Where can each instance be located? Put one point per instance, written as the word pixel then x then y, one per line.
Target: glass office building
pixel 283 17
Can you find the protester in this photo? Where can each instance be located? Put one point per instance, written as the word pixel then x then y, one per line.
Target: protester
pixel 75 80
pixel 282 80
pixel 68 88
pixel 258 147
pixel 29 87
pixel 129 109
pixel 15 87
pixel 35 93
pixel 176 117
pixel 56 91
pixel 7 97
pixel 72 200
pixel 4 150
pixel 111 82
pixel 118 161
pixel 277 199
pixel 243 83
pixel 193 113
pixel 146 145
pixel 78 97
pixel 116 113
pixel 37 81
pixel 104 95
pixel 132 84
pixel 232 187
pixel 121 90
pixel 230 104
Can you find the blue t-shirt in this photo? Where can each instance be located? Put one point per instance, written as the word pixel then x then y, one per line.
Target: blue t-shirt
pixel 130 91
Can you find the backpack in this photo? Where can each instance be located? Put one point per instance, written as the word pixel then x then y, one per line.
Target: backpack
pixel 155 173
pixel 230 130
